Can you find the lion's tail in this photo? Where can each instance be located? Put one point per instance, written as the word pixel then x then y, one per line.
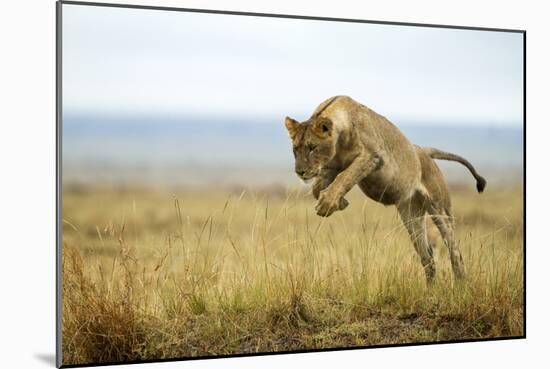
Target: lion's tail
pixel 442 155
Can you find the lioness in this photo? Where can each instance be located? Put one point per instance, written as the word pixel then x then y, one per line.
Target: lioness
pixel 344 144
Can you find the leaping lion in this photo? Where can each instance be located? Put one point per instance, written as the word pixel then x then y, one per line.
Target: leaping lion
pixel 344 144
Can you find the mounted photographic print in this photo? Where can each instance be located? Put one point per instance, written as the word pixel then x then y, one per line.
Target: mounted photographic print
pixel 236 184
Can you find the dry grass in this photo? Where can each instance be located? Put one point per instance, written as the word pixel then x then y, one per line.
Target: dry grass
pixel 159 275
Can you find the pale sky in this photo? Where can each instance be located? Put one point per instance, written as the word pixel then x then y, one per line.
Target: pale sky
pixel 132 61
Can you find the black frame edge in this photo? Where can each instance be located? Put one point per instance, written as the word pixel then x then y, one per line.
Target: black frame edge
pixel 292 352
pixel 58 190
pixel 525 184
pixel 288 16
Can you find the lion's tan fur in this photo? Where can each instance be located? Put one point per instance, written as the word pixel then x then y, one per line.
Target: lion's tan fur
pixel 344 144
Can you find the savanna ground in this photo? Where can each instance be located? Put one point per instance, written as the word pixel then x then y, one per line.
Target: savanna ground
pixel 182 272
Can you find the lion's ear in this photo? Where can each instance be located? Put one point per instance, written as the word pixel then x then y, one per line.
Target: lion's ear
pixel 323 127
pixel 291 126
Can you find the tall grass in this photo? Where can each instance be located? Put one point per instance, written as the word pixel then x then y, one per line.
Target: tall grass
pixel 156 275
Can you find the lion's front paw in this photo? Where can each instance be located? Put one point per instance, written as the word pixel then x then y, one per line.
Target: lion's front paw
pixel 328 203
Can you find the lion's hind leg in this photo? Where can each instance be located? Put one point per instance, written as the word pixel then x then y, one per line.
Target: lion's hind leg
pixel 444 221
pixel 439 208
pixel 413 215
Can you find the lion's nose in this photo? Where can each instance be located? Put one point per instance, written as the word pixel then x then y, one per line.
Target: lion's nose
pixel 301 172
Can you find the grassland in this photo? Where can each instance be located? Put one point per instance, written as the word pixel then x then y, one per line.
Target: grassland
pixel 183 272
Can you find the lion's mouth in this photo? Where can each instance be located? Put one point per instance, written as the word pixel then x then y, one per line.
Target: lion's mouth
pixel 308 176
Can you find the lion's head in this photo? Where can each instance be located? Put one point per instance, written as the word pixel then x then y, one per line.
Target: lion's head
pixel 313 145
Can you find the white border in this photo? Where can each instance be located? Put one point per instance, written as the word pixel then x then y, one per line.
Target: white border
pixel 27 80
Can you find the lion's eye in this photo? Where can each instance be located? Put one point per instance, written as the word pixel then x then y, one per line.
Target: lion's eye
pixel 311 147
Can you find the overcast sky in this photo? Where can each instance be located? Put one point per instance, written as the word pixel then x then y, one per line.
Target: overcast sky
pixel 157 62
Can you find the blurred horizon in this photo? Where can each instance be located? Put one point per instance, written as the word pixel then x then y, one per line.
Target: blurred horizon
pixel 234 151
